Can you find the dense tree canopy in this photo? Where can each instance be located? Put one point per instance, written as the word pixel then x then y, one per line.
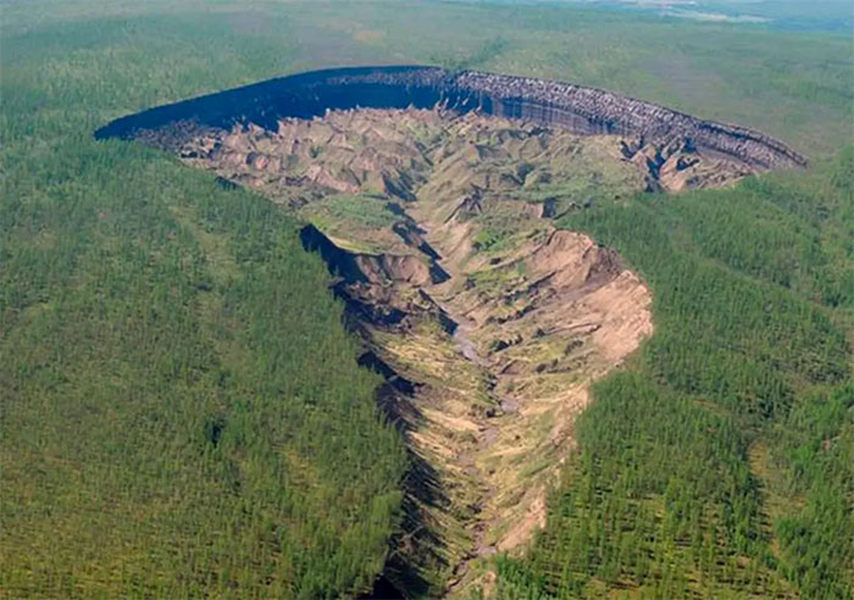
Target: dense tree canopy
pixel 719 464
pixel 180 409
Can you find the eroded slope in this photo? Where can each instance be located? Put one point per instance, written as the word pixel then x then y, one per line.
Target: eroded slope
pixel 488 323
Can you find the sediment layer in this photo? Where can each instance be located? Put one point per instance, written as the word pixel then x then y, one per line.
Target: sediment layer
pixel 580 109
pixel 486 321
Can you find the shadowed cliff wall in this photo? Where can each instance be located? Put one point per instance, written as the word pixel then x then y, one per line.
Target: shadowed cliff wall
pixel 581 109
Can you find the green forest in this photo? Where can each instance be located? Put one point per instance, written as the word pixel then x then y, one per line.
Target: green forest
pixel 719 463
pixel 181 411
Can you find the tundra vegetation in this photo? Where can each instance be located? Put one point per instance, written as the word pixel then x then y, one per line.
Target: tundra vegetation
pixel 182 413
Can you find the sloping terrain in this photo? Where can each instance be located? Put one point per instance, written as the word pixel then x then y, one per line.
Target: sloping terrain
pixel 719 464
pixel 163 436
pixel 488 323
pixel 575 108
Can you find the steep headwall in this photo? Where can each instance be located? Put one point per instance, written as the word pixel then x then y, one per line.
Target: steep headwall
pixel 581 109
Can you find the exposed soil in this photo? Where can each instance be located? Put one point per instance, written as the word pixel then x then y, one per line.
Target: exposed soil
pixel 435 210
pixel 487 322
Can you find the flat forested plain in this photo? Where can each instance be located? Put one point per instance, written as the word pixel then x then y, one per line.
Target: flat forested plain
pixel 182 414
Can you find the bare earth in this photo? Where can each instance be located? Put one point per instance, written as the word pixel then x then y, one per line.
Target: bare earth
pixel 489 323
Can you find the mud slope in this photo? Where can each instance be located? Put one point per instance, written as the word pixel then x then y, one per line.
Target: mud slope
pixel 435 211
pixel 487 322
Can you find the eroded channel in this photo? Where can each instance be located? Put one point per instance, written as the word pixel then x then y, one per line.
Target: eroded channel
pixel 487 322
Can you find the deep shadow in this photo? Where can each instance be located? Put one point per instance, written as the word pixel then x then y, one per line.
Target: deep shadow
pixel 340 262
pixel 583 110
pixel 226 184
pixel 371 361
pixel 416 550
pixel 383 590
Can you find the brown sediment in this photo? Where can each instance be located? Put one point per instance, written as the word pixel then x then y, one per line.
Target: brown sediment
pixel 488 345
pixel 435 209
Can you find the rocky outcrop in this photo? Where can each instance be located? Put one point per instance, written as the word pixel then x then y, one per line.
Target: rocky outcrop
pixel 583 110
pixel 593 111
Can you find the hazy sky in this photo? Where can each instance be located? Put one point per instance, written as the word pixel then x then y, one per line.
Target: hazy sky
pixel 828 15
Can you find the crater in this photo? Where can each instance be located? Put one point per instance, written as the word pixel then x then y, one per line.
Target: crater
pixel 432 196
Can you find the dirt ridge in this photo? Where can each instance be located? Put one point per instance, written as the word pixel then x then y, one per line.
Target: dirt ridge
pixel 487 322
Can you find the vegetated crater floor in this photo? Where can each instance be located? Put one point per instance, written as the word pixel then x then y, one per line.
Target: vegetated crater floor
pixel 435 211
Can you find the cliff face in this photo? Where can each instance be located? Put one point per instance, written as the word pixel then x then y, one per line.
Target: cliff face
pixel 593 111
pixel 580 109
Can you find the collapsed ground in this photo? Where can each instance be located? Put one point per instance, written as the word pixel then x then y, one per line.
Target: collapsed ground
pixel 488 324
